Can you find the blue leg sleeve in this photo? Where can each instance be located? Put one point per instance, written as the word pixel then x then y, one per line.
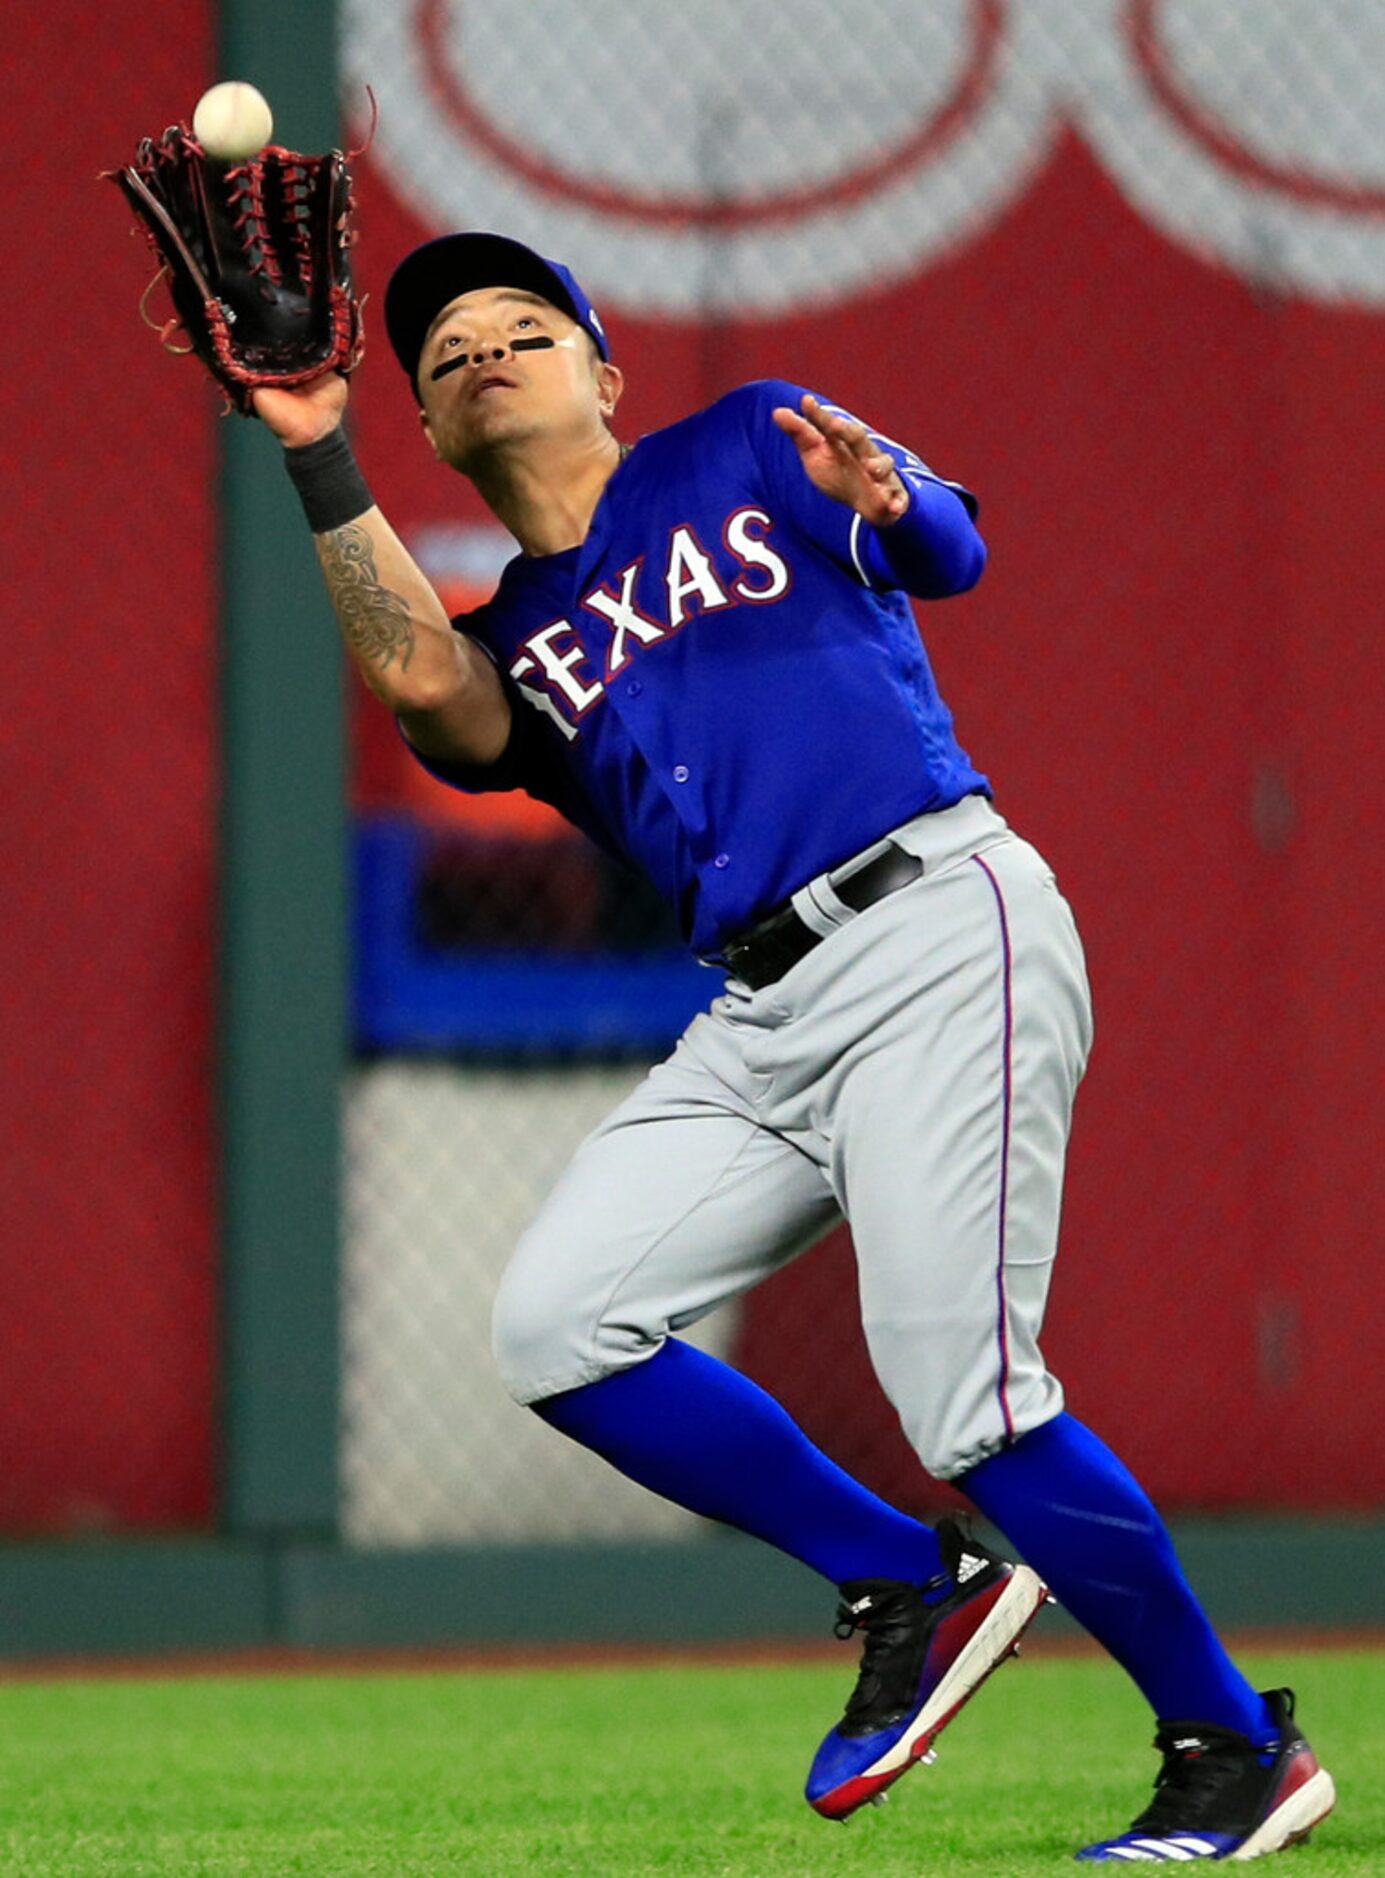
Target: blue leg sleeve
pixel 1091 1532
pixel 701 1434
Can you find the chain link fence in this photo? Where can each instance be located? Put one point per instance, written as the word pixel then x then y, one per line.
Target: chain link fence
pixel 436 1452
pixel 1120 266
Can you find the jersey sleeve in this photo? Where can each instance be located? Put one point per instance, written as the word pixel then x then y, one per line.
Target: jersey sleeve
pixel 933 550
pixel 527 762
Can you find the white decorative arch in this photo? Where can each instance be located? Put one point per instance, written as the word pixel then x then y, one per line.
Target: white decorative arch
pixel 754 160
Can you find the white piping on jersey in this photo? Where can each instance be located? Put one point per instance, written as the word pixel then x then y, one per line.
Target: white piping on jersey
pixel 856 554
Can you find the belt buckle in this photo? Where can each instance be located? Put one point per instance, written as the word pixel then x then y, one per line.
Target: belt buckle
pixel 767 939
pixel 783 937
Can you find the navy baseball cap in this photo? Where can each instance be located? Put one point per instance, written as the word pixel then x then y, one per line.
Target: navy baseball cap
pixel 437 273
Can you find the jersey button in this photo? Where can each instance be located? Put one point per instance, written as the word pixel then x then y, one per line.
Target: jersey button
pixel 634 688
pixel 680 772
pixel 722 860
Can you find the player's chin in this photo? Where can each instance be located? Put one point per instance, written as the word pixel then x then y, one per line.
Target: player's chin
pixel 478 445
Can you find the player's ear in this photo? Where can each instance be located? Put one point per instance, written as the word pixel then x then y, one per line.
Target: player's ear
pixel 428 433
pixel 610 382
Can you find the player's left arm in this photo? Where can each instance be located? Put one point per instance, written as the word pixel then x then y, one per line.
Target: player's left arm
pixel 910 531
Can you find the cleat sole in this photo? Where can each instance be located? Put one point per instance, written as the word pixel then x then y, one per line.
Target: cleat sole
pixel 1291 1822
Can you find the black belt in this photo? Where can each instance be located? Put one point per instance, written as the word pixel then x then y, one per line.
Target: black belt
pixel 767 951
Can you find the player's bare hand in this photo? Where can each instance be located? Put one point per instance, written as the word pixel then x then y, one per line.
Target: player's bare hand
pixel 304 415
pixel 842 458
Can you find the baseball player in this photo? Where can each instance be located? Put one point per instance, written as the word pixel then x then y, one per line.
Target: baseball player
pixel 704 656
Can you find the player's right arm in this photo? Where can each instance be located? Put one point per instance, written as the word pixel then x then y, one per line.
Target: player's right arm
pixel 441 686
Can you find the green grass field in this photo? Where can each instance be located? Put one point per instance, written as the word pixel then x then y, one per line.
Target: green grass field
pixel 670 1768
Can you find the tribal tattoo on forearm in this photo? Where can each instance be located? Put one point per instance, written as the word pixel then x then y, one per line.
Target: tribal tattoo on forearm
pixel 376 621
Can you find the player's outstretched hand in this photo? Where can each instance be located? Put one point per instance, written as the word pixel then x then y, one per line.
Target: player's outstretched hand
pixel 302 416
pixel 844 461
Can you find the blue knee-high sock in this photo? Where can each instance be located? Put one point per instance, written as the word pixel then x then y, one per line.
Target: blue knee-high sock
pixel 701 1434
pixel 1091 1532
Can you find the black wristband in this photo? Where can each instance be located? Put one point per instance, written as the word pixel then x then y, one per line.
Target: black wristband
pixel 329 482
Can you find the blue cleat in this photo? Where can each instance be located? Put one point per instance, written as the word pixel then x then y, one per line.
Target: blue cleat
pixel 1217 1796
pixel 921 1662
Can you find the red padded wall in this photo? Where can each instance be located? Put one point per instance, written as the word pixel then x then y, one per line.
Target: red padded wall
pixel 106 844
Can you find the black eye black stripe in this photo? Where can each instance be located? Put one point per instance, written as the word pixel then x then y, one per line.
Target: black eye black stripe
pixel 465 358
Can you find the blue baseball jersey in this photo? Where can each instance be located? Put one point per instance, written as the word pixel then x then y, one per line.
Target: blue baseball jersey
pixel 724 684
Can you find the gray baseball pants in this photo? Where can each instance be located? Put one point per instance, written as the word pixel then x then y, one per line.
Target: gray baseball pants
pixel 915 1074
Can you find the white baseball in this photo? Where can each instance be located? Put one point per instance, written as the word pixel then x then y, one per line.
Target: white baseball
pixel 232 121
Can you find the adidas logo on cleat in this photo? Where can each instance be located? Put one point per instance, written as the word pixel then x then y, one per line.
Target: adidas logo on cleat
pixel 968 1566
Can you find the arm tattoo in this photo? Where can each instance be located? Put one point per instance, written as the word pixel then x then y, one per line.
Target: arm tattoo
pixel 376 622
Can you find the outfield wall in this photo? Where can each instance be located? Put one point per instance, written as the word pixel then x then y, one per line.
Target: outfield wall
pixel 137 1598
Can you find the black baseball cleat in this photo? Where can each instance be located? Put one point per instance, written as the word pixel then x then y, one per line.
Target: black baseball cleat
pixel 1218 1796
pixel 920 1663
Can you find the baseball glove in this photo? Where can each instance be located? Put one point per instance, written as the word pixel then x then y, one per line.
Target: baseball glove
pixel 256 255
